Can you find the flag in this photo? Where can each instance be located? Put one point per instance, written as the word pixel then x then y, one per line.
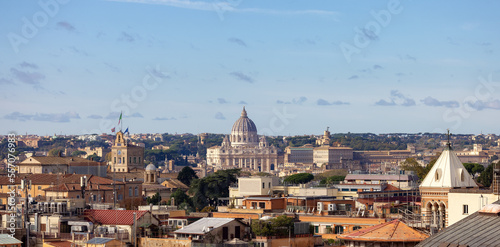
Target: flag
pixel 119 120
pixel 126 131
pixel 113 130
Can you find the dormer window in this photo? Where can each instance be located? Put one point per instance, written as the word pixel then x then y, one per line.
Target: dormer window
pixel 437 176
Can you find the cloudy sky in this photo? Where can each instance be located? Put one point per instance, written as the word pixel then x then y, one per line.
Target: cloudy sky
pixel 181 66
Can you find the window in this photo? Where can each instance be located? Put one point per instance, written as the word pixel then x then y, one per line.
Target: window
pixel 120 197
pixel 262 204
pixel 225 233
pixel 139 160
pixel 466 209
pixel 269 184
pixel 237 232
pixel 135 159
pixel 129 159
pixel 136 191
pixel 130 191
pixel 316 229
pixel 39 187
pixel 339 229
pixel 356 228
pixel 114 160
pixel 263 185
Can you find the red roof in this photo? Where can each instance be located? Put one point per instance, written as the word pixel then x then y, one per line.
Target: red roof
pixel 392 231
pixel 391 187
pixel 113 217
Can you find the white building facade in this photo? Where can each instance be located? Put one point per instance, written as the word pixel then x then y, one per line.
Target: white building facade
pixel 244 149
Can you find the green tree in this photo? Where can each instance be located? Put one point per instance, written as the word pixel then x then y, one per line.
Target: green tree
pixel 186 175
pixel 94 157
pixel 299 178
pixel 473 168
pixel 486 177
pixel 478 168
pixel 155 199
pixel 410 164
pixel 78 153
pixel 208 190
pixel 279 226
pixel 180 197
pixel 332 180
pixel 56 151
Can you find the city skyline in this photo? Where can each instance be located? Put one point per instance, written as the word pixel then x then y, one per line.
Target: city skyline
pixel 176 66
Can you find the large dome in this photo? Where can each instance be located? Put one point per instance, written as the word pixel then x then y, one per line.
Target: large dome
pixel 244 124
pixel 244 132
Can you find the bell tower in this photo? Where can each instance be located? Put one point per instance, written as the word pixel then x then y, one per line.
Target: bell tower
pixel 125 156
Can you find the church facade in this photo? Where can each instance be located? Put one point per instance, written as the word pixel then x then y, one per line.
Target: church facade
pixel 244 149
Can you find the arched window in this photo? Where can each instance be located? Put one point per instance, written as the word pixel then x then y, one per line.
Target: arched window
pixel 130 191
pixel 136 191
pixel 437 176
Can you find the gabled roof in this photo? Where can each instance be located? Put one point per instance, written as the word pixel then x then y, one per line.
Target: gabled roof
pixel 392 231
pixel 113 217
pixel 448 172
pixel 76 187
pixel 174 183
pixel 56 160
pixel 6 239
pixel 475 230
pixel 203 225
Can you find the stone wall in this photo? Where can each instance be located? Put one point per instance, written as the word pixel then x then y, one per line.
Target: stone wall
pixel 163 242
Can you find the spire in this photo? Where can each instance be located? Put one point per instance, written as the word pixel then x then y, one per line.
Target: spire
pixel 448 144
pixel 244 112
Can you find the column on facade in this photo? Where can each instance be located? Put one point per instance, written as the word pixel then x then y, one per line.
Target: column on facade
pixel 268 166
pixel 434 214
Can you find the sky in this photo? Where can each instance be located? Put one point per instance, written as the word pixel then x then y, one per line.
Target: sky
pixel 178 66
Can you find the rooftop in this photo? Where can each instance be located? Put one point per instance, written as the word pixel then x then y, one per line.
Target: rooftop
pixel 113 217
pixel 99 240
pixel 6 239
pixel 392 231
pixel 475 230
pixel 203 225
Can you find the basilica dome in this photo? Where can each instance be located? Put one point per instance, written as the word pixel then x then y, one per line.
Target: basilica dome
pixel 244 132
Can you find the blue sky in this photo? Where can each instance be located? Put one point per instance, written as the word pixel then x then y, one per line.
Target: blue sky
pixel 181 66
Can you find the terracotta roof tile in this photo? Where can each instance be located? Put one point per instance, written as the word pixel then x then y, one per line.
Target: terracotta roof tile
pixel 392 231
pixel 113 217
